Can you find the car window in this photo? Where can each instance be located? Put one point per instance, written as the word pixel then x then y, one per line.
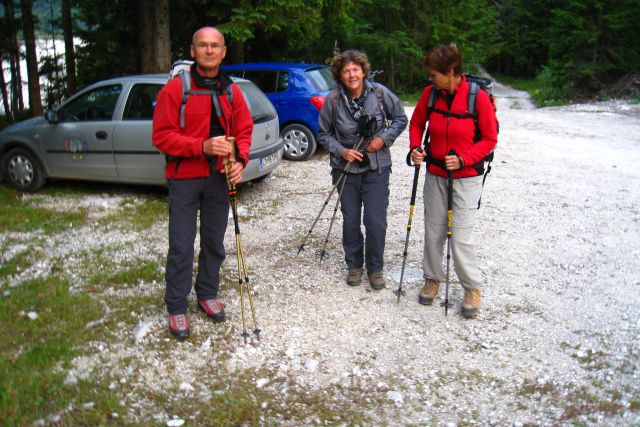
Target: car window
pixel 237 73
pixel 321 78
pixel 283 81
pixel 265 80
pixel 141 102
pixel 259 105
pixel 96 105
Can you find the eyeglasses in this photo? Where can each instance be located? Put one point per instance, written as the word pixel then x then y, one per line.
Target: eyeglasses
pixel 213 46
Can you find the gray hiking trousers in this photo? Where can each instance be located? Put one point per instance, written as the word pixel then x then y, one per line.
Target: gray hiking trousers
pixel 466 192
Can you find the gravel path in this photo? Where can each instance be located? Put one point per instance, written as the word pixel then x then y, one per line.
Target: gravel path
pixel 556 341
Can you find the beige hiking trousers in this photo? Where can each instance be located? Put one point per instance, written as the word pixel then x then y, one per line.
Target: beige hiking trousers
pixel 466 192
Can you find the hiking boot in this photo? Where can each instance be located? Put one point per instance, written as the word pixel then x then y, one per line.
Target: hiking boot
pixel 354 277
pixel 376 280
pixel 471 303
pixel 179 326
pixel 428 292
pixel 213 308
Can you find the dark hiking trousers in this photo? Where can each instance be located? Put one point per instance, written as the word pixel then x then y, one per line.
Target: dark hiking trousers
pixel 186 197
pixel 371 190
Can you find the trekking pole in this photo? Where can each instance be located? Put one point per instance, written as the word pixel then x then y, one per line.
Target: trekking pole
pixel 323 253
pixel 400 292
pixel 326 202
pixel 446 304
pixel 366 127
pixel 243 276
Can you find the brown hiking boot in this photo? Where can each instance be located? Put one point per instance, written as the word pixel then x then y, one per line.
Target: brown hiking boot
pixel 471 303
pixel 376 280
pixel 428 292
pixel 354 277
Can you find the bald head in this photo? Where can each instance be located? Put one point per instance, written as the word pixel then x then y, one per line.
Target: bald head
pixel 206 32
pixel 208 50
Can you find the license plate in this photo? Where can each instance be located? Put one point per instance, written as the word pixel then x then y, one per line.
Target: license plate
pixel 269 160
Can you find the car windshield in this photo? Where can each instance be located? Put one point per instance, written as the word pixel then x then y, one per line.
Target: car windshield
pixel 321 78
pixel 259 105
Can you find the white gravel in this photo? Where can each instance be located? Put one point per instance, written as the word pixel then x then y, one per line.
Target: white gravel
pixel 556 342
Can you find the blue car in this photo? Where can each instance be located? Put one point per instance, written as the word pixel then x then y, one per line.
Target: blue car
pixel 297 91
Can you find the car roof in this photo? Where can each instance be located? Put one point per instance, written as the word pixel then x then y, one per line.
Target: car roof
pixel 273 66
pixel 146 78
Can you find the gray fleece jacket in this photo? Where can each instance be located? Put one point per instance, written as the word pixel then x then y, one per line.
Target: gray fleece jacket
pixel 337 129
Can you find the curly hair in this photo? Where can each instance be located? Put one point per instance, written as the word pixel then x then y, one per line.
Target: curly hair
pixel 340 60
pixel 444 58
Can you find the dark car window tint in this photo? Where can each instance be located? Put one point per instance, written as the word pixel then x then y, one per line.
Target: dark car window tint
pixel 321 78
pixel 237 73
pixel 141 102
pixel 259 105
pixel 265 80
pixel 96 105
pixel 283 81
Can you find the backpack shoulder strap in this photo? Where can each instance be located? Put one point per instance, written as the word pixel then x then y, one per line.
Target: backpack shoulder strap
pixel 185 77
pixel 433 97
pixel 472 99
pixel 230 94
pixel 380 95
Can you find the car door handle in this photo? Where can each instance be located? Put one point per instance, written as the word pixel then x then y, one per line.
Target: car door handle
pixel 101 134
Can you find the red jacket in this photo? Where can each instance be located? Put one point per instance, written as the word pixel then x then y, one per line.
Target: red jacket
pixel 186 144
pixel 447 133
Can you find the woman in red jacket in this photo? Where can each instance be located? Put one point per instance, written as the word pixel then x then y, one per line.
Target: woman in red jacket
pixel 452 147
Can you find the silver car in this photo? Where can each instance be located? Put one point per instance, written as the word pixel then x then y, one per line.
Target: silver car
pixel 103 133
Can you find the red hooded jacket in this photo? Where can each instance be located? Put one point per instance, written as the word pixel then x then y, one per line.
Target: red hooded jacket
pixel 451 133
pixel 185 145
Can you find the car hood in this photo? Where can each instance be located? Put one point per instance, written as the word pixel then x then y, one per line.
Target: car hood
pixel 24 125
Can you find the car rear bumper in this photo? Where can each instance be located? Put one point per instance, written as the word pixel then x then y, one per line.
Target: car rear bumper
pixel 264 160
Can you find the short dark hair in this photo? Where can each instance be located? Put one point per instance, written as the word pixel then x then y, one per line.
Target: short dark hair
pixel 444 58
pixel 340 60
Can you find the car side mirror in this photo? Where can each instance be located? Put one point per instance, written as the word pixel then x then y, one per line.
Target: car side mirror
pixel 51 116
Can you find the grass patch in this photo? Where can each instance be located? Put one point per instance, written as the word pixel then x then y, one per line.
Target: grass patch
pixel 410 99
pixel 18 262
pixel 139 212
pixel 532 388
pixel 237 400
pixel 30 387
pixel 145 272
pixel 528 85
pixel 21 215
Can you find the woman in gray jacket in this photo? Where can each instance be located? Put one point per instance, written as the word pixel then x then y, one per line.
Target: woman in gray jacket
pixel 367 167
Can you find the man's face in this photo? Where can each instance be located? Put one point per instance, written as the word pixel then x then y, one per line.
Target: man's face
pixel 208 49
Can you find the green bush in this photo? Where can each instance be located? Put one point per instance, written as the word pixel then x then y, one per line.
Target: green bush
pixel 551 89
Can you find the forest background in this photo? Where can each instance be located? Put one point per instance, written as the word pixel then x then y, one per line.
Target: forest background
pixel 559 50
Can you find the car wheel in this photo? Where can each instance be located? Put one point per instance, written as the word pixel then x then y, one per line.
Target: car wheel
pixel 22 170
pixel 299 142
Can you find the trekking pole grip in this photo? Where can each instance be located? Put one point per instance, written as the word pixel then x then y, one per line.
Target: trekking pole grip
pixel 416 172
pixel 232 156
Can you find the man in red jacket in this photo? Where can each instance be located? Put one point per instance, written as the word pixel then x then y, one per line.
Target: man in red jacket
pixel 195 144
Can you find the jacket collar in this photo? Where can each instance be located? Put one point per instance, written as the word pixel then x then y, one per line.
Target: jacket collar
pixel 220 82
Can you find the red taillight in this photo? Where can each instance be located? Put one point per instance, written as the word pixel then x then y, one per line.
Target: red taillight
pixel 317 101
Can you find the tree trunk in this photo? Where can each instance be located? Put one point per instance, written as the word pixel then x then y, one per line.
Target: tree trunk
pixel 69 53
pixel 17 103
pixel 5 97
pixel 145 36
pixel 162 50
pixel 237 56
pixel 35 100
